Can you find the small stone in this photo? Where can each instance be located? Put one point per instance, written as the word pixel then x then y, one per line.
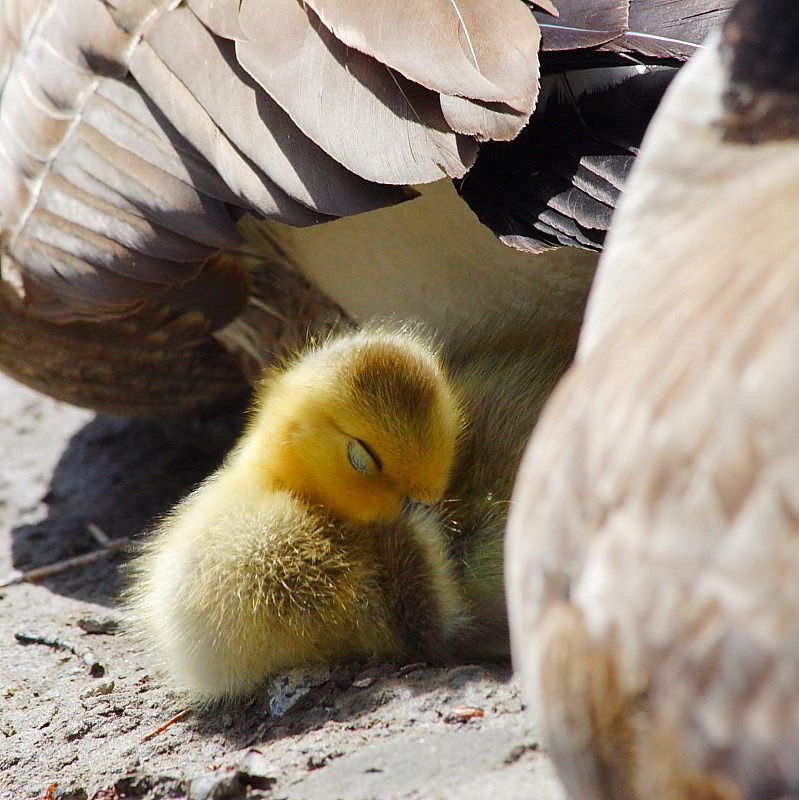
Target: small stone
pixel 253 771
pixel 319 760
pixel 70 793
pixel 96 625
pixel 288 688
pixel 222 784
pixel 79 731
pixel 519 751
pixel 315 762
pixel 106 687
pixel 142 784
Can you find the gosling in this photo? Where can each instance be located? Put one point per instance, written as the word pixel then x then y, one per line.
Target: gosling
pixel 360 515
pixel 315 540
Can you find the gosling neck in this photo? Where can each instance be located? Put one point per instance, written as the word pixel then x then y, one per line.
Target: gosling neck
pixel 267 445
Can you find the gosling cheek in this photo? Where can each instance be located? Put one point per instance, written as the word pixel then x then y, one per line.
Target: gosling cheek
pixel 381 505
pixel 385 509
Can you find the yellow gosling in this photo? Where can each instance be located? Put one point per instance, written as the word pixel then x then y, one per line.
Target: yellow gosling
pixel 307 544
pixel 361 514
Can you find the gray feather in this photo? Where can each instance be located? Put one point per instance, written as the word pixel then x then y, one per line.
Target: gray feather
pixel 644 28
pixel 483 120
pixel 157 195
pixel 219 16
pixel 250 185
pixel 255 125
pixel 124 117
pixel 128 228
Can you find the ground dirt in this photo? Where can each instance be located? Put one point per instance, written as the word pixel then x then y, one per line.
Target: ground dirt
pixel 77 694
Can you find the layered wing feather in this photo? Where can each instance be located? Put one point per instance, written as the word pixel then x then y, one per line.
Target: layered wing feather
pixel 641 29
pixel 558 182
pixel 401 134
pixel 131 132
pixel 463 48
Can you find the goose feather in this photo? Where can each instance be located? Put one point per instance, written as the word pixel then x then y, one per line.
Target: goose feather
pixel 653 561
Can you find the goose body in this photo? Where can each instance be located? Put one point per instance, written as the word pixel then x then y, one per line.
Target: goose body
pixel 139 141
pixel 652 554
pixel 361 514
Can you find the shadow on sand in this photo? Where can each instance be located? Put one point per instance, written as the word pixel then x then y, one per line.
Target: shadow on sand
pixel 119 474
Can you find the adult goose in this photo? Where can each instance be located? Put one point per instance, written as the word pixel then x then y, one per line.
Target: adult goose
pixel 164 166
pixel 653 553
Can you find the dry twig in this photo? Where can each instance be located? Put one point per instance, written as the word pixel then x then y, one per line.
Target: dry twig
pixel 96 669
pixel 19 576
pixel 163 727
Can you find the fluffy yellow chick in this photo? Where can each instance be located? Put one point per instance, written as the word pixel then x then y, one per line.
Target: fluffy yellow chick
pixel 296 550
pixel 344 523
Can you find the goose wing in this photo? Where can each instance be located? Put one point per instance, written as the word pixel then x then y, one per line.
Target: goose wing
pixel 132 134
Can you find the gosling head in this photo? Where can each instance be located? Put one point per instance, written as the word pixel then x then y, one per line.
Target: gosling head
pixel 361 425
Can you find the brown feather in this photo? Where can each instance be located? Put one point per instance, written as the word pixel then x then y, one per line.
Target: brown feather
pixel 117 366
pixel 252 187
pixel 219 16
pixel 399 138
pixel 123 116
pixel 255 125
pixel 583 24
pixel 471 48
pixel 645 28
pixel 482 120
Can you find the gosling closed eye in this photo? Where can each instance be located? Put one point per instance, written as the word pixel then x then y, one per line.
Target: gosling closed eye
pixel 361 459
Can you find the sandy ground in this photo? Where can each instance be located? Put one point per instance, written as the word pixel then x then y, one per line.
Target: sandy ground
pixel 77 695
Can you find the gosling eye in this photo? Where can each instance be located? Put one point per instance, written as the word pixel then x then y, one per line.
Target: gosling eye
pixel 361 459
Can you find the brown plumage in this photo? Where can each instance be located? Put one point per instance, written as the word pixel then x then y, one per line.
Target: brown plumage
pixel 138 140
pixel 654 545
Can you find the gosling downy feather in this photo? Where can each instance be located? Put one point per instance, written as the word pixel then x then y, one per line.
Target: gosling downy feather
pixel 361 514
pixel 285 555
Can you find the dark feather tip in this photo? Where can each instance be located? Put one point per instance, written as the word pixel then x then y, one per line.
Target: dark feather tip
pixel 760 46
pixel 557 183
